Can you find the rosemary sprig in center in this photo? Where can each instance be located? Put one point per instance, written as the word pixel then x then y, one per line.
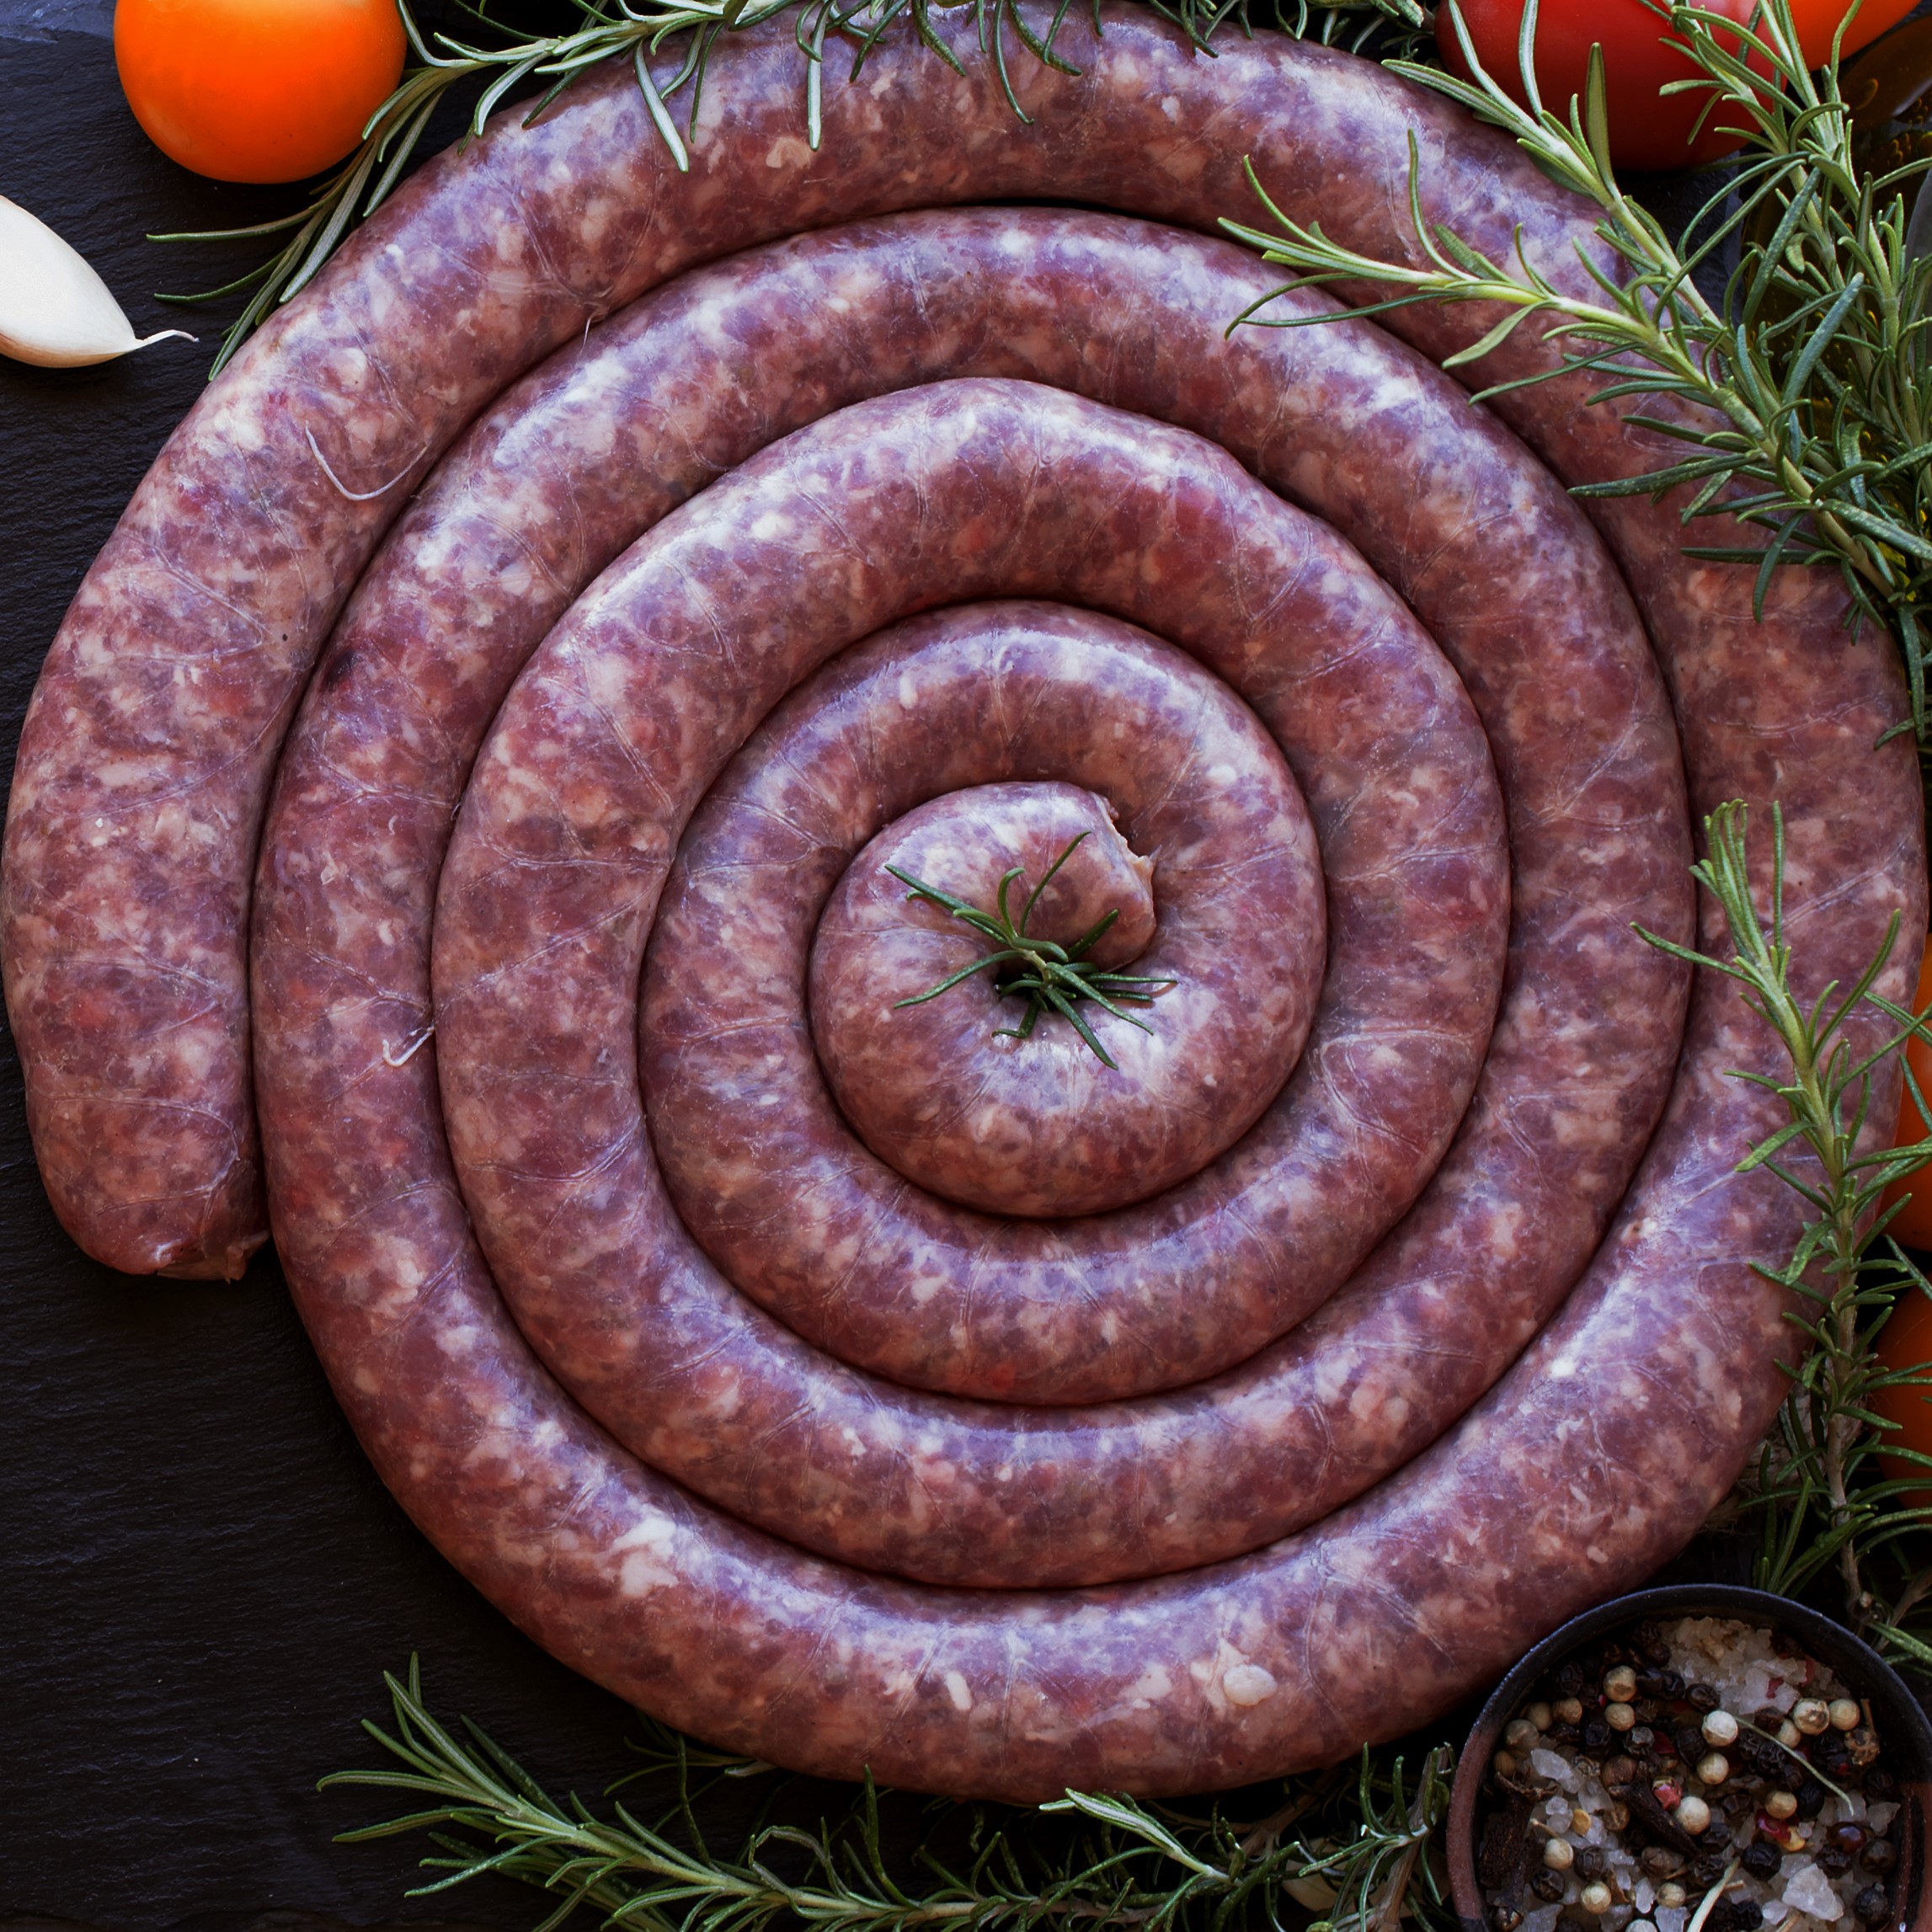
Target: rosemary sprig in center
pixel 1048 975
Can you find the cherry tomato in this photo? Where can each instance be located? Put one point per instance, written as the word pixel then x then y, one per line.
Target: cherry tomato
pixel 257 90
pixel 1913 1223
pixel 1646 129
pixel 1906 1342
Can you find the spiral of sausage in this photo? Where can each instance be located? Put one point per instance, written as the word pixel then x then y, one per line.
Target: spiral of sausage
pixel 1326 1488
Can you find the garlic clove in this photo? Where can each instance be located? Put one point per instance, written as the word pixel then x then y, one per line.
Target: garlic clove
pixel 54 309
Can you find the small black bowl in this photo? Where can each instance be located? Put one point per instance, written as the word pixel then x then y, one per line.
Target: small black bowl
pixel 1901 1723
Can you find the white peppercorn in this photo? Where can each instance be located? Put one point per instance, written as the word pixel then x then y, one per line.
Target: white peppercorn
pixel 1597 1898
pixel 1719 1728
pixel 1559 1855
pixel 1812 1715
pixel 1845 1714
pixel 1693 1814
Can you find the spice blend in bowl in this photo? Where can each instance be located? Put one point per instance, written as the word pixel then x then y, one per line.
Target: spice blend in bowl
pixel 1694 1769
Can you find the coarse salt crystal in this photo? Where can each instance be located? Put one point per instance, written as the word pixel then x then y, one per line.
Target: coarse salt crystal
pixel 1560 1771
pixel 1880 1818
pixel 1542 1919
pixel 1670 1918
pixel 1808 1889
pixel 1776 1910
pixel 1645 1895
pixel 1557 1813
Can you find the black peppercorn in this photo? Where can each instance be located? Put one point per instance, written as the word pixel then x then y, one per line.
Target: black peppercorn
pixel 1504 1917
pixel 1719 1918
pixel 1690 1745
pixel 1881 1855
pixel 1707 1869
pixel 1836 1765
pixel 1701 1697
pixel 1810 1798
pixel 1832 1861
pixel 1872 1906
pixel 1569 1680
pixel 1761 1858
pixel 1747 1915
pixel 1881 1787
pixel 1620 1770
pixel 1657 1652
pixel 1660 1745
pixel 1598 1736
pixel 1647 1710
pixel 1591 1863
pixel 1784 1644
pixel 1660 1861
pixel 1547 1884
pixel 1562 1734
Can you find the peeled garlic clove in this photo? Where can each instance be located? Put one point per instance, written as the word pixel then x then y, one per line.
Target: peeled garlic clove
pixel 54 309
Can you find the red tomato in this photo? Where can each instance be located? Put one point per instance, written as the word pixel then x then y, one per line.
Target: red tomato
pixel 1640 55
pixel 257 90
pixel 1913 1223
pixel 1905 1342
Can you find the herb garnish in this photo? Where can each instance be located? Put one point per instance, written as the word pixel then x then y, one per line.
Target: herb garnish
pixel 1048 975
pixel 1814 363
pixel 1086 1860
pixel 1818 1491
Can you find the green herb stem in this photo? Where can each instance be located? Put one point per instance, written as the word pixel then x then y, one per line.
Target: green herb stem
pixel 1116 1861
pixel 1814 369
pixel 1817 1494
pixel 1050 977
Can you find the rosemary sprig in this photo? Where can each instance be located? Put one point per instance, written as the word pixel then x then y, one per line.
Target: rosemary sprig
pixel 1048 975
pixel 1814 363
pixel 1084 1860
pixel 1818 1491
pixel 639 30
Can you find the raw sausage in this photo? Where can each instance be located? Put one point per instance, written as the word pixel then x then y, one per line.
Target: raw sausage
pixel 148 747
pixel 1211 818
pixel 566 834
pixel 1592 1459
pixel 886 1276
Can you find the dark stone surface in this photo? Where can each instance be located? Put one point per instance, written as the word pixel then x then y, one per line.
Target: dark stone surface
pixel 201 1580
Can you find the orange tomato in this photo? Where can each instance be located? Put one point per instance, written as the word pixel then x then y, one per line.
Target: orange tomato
pixel 257 90
pixel 1647 130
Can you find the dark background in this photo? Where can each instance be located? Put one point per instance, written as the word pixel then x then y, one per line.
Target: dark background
pixel 202 1581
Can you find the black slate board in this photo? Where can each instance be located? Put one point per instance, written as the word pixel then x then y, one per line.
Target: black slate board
pixel 201 1581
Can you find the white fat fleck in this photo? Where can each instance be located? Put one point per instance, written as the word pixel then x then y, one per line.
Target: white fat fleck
pixel 1170 106
pixel 646 1551
pixel 908 692
pixel 1248 1684
pixel 958 1690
